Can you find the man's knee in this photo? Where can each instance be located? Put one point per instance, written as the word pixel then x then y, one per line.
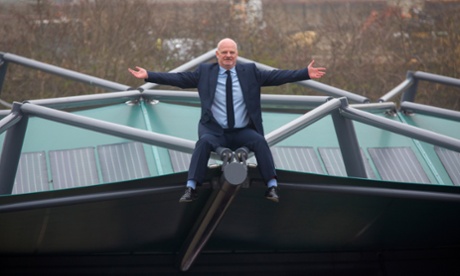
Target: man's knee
pixel 207 141
pixel 260 142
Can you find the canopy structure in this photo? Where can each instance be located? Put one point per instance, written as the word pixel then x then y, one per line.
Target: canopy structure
pixel 91 183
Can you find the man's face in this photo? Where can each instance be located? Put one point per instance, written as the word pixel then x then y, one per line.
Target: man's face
pixel 226 54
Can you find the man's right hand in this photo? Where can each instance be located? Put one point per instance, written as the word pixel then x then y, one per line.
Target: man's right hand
pixel 141 73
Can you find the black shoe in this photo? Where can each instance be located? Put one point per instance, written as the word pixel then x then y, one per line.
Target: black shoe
pixel 271 194
pixel 189 195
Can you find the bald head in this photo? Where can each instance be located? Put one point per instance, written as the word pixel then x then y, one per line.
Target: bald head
pixel 226 41
pixel 227 53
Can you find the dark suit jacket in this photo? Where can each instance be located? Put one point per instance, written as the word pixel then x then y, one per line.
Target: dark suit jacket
pixel 251 80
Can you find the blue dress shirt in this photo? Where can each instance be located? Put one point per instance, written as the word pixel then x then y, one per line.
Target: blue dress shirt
pixel 219 107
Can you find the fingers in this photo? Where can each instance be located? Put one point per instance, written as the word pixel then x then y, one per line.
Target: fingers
pixel 315 73
pixel 321 70
pixel 138 73
pixel 139 69
pixel 133 72
pixel 318 73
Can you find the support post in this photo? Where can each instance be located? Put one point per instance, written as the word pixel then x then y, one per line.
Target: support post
pixel 348 143
pixel 3 68
pixel 11 153
pixel 409 95
pixel 234 173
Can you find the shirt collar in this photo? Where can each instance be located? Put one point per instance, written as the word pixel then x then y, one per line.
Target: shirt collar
pixel 223 70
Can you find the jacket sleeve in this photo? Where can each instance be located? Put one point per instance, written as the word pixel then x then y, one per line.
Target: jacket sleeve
pixel 181 79
pixel 278 77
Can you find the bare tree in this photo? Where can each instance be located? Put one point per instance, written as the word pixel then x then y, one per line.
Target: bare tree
pixel 367 46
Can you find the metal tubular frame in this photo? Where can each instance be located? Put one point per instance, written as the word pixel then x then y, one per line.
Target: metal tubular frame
pixel 302 122
pixel 292 101
pixel 403 86
pixel 3 69
pixel 411 91
pixel 323 106
pixel 354 168
pixel 10 120
pixel 437 78
pixel 11 151
pixel 5 112
pixel 387 106
pixel 89 100
pixel 176 96
pixel 408 89
pixel 105 84
pixel 127 132
pixel 431 111
pixel 349 145
pixel 403 129
pixel 341 112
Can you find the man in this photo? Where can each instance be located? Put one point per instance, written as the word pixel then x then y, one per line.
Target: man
pixel 232 125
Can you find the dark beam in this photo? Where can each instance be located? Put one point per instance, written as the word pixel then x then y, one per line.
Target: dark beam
pixel 3 68
pixel 234 173
pixel 12 147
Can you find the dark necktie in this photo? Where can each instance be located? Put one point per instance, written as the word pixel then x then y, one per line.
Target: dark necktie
pixel 229 102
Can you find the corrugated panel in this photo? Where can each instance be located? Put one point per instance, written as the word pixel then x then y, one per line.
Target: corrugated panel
pixel 32 173
pixel 451 161
pixel 73 168
pixel 181 161
pixel 301 159
pixel 123 161
pixel 398 164
pixel 333 161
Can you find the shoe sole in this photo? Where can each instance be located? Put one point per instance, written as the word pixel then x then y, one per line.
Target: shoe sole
pixel 185 200
pixel 274 199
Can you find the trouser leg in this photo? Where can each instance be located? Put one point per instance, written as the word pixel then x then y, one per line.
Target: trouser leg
pixel 200 156
pixel 256 143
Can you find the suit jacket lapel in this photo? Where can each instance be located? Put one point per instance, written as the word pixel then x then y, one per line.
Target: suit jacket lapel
pixel 243 81
pixel 213 74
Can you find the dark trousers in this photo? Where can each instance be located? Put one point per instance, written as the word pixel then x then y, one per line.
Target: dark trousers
pixel 232 139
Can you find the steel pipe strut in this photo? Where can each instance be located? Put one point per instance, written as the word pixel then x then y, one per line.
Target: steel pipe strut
pixel 66 73
pixel 12 146
pixel 235 173
pixel 101 126
pixel 208 221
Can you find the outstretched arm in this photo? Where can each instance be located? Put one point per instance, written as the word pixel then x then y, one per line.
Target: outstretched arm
pixel 315 72
pixel 141 73
pixel 179 79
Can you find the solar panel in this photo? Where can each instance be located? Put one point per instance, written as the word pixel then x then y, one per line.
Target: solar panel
pixel 32 173
pixel 451 161
pixel 181 161
pixel 398 164
pixel 302 159
pixel 333 161
pixel 73 168
pixel 123 161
